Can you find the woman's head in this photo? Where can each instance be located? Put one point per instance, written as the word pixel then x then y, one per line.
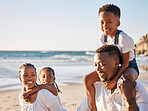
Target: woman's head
pixel 27 75
pixel 47 75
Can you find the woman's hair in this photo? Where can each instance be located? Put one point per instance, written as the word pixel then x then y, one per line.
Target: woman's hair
pixel 25 65
pixel 111 8
pixel 49 69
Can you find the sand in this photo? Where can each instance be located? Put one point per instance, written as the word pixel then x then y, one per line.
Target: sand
pixel 71 96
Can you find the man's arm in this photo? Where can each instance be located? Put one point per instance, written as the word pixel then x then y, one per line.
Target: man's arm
pixel 89 81
pixel 126 89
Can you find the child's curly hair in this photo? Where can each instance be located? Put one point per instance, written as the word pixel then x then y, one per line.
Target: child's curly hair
pixel 111 8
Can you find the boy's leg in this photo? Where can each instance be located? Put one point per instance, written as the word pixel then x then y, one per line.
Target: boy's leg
pixel 89 80
pixel 132 75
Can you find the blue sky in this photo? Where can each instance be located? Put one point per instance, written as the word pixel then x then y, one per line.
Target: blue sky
pixel 64 24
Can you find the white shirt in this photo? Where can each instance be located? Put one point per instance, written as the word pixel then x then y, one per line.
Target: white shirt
pixel 45 101
pixel 125 44
pixel 105 101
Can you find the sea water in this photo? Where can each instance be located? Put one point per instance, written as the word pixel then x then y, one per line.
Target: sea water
pixel 69 66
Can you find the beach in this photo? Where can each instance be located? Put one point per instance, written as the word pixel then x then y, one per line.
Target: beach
pixel 71 96
pixel 69 66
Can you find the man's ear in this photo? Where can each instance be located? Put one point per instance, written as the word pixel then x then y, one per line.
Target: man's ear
pixel 117 62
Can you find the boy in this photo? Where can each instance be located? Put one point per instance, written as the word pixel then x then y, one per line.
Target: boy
pixel 109 16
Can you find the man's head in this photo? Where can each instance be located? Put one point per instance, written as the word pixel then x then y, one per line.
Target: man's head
pixel 106 62
pixel 109 16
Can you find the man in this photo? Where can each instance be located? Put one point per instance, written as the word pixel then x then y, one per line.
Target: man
pixel 121 96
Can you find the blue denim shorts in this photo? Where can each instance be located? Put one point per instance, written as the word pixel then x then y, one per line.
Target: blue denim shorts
pixel 133 64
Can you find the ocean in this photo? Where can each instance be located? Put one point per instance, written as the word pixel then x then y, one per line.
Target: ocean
pixel 69 66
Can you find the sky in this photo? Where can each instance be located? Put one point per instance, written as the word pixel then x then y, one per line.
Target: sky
pixel 71 25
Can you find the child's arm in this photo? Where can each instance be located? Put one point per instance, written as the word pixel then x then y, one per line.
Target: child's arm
pixel 125 62
pixel 50 88
pixel 89 81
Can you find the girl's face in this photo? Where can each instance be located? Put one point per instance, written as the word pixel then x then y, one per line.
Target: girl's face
pixel 28 77
pixel 46 77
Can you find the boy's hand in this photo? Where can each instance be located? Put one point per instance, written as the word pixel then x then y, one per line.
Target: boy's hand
pixel 110 84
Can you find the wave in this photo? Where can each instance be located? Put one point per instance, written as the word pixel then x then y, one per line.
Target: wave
pixel 56 59
pixel 90 53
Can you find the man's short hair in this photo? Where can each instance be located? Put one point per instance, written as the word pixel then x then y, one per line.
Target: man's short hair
pixel 112 51
pixel 111 8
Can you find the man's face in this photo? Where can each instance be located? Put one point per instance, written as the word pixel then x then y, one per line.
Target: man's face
pixel 105 66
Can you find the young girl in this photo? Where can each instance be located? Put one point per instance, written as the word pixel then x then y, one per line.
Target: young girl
pixel 109 16
pixel 43 100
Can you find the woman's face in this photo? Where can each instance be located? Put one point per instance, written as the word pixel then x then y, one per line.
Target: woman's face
pixel 28 77
pixel 46 77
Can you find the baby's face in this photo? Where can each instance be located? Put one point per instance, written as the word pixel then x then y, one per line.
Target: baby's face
pixel 46 77
pixel 109 23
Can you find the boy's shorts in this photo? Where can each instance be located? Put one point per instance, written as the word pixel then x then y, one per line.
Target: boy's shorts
pixel 133 64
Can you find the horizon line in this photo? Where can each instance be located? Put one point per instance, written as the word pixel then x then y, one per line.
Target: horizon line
pixel 49 50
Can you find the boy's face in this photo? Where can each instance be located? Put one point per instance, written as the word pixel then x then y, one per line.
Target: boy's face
pixel 46 77
pixel 109 23
pixel 28 77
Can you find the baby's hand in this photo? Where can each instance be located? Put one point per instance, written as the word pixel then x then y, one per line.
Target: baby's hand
pixel 28 99
pixel 26 94
pixel 110 84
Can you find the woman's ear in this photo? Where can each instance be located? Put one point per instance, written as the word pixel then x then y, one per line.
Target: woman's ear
pixel 39 79
pixel 20 78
